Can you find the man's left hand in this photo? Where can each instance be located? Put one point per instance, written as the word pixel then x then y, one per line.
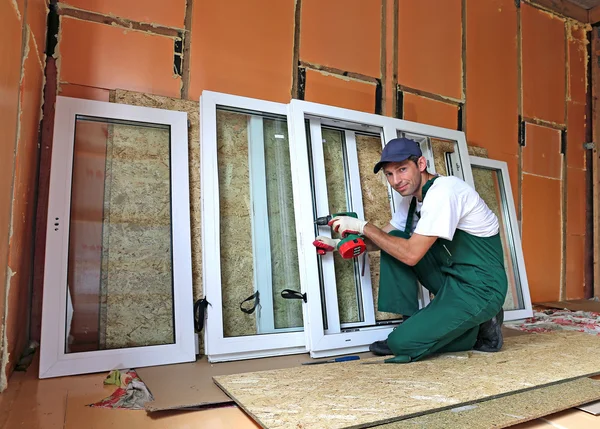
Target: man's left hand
pixel 345 225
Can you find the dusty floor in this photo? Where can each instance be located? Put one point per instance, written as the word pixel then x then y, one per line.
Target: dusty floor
pixel 61 403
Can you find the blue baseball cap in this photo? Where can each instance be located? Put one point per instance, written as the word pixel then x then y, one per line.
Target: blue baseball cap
pixel 398 150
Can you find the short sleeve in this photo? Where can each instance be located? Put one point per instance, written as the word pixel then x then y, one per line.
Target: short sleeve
pixel 399 217
pixel 439 215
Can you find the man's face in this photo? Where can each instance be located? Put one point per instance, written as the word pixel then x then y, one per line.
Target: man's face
pixel 405 176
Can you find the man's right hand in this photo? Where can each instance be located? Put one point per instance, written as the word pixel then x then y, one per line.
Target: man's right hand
pixel 325 244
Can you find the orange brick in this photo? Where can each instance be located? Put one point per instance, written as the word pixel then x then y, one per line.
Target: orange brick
pixel 577 64
pixel 428 111
pixel 430 46
pixel 543 65
pixel 10 74
pixel 168 13
pixel 541 154
pixel 85 92
pixel 576 134
pixel 576 201
pixel 23 209
pixel 542 236
pixel 575 275
pixel 340 92
pixel 492 90
pixel 105 56
pixel 37 15
pixel 239 48
pixel 345 34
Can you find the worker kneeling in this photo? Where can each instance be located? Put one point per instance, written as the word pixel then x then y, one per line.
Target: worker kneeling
pixel 445 237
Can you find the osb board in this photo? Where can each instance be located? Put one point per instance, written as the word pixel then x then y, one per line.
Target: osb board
pixel 237 263
pixel 285 272
pixel 508 410
pixel 353 395
pixel 333 156
pixel 440 148
pixel 191 384
pixel 376 204
pixel 575 305
pixel 192 109
pixel 136 279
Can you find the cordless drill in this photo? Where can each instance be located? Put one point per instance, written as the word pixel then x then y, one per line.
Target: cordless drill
pixel 350 246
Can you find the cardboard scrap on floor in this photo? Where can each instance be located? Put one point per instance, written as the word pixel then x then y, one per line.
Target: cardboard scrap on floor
pixel 592 408
pixel 353 395
pixel 507 410
pixel 190 385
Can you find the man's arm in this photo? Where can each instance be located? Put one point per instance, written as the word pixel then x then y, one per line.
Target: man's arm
pixel 372 246
pixel 409 251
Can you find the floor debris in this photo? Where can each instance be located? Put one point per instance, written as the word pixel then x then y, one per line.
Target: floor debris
pixel 552 319
pixel 132 393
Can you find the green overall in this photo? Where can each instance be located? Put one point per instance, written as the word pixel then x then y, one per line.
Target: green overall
pixel 468 279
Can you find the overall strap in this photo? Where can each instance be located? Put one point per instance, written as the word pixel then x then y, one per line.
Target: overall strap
pixel 413 205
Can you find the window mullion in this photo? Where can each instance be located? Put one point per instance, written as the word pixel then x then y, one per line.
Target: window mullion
pixel 327 263
pixel 366 290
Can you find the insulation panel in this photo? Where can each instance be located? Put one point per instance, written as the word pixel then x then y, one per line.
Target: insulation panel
pixel 353 395
pixel 541 154
pixel 120 58
pixel 350 42
pixel 428 111
pixel 326 88
pixel 543 65
pixel 491 75
pixel 169 14
pixel 430 46
pixel 541 231
pixel 252 54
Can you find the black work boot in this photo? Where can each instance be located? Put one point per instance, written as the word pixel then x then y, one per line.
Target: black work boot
pixel 380 348
pixel 489 338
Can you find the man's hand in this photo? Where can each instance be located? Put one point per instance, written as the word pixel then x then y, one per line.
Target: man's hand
pixel 325 244
pixel 345 225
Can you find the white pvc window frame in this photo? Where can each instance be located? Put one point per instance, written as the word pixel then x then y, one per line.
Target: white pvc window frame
pixel 337 339
pixel 280 342
pixel 513 235
pixel 327 261
pixel 54 361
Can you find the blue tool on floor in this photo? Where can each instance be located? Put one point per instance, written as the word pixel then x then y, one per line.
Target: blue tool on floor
pixel 340 359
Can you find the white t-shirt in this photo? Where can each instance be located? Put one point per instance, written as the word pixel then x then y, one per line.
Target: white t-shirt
pixel 449 204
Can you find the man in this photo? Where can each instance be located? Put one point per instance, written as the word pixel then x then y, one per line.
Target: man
pixel 444 236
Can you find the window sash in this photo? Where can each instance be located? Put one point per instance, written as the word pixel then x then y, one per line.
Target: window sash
pixel 219 347
pixel 55 308
pixel 514 236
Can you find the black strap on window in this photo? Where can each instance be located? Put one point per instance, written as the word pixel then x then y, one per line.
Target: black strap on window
pixel 293 294
pixel 254 297
pixel 199 313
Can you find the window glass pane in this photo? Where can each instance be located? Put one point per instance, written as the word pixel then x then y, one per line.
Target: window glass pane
pixel 120 282
pixel 257 225
pixel 488 183
pixel 282 224
pixel 376 203
pixel 338 199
